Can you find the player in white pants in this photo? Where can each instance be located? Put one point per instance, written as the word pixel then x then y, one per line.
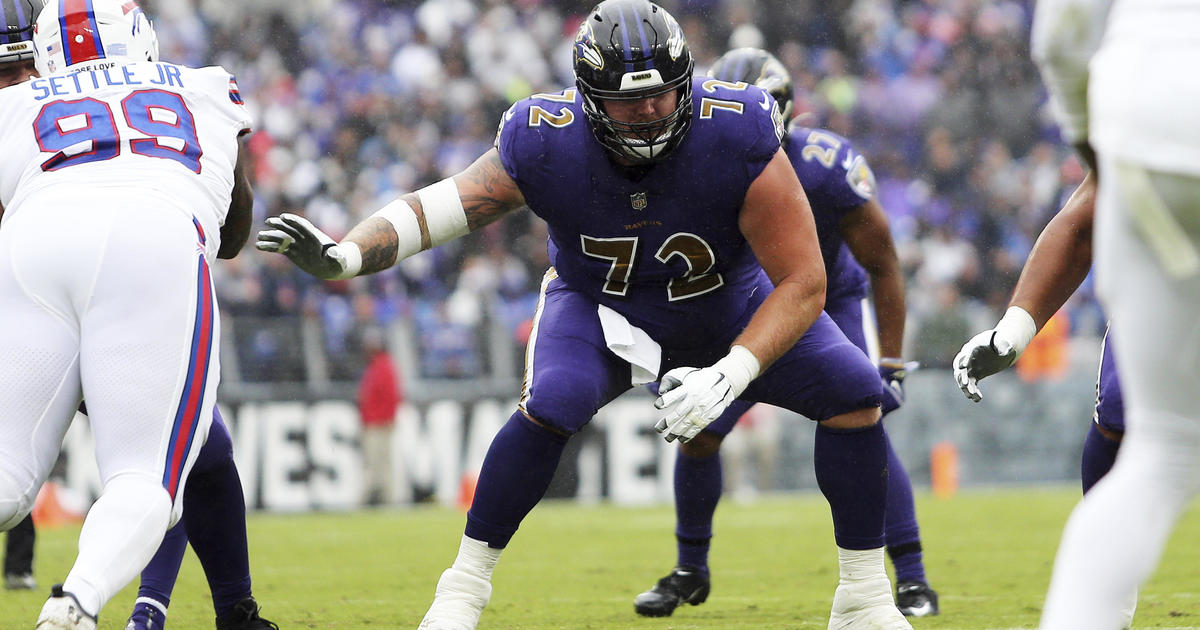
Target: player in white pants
pixel 121 182
pixel 1138 104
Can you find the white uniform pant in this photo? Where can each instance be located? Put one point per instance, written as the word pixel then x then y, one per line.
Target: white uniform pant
pixel 113 304
pixel 1146 118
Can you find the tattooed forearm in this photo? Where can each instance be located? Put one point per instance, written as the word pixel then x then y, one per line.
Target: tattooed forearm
pixel 486 190
pixel 376 239
pixel 414 202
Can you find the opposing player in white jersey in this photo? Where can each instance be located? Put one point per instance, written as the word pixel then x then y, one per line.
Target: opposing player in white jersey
pixel 1122 74
pixel 214 522
pixel 121 182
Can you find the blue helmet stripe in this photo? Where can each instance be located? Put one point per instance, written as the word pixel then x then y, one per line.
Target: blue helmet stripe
pixel 628 54
pixel 645 44
pixel 62 31
pixel 91 13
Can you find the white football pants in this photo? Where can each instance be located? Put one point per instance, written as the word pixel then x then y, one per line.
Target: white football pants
pixel 113 303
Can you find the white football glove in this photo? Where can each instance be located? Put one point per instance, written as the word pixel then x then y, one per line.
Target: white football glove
pixel 993 350
pixel 311 249
pixel 694 397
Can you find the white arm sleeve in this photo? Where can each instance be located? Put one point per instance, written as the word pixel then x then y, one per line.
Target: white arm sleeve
pixel 1066 33
pixel 444 214
pixel 445 218
pixel 404 222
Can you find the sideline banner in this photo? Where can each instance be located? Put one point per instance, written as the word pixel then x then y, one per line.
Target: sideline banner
pixel 299 456
pixel 296 456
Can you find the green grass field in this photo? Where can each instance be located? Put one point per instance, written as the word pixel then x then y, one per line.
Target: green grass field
pixel 988 553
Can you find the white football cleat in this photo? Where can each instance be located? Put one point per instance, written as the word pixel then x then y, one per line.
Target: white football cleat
pixel 63 612
pixel 458 601
pixel 866 605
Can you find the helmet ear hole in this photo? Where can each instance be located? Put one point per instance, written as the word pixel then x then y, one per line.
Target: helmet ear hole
pixel 628 50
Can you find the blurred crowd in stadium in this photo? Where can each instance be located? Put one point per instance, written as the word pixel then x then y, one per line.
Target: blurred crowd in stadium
pixel 357 101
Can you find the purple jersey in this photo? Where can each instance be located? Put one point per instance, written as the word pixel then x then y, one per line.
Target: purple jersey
pixel 659 245
pixel 837 180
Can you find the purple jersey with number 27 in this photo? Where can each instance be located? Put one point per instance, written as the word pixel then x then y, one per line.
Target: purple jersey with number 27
pixel 837 181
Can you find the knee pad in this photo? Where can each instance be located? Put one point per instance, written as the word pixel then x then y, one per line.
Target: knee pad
pixel 1169 445
pixel 562 409
pixel 15 503
pixel 140 489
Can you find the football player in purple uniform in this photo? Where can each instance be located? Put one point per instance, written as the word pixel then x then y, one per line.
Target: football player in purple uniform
pixel 860 261
pixel 683 251
pixel 1060 260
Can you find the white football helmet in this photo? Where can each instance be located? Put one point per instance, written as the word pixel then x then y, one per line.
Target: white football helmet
pixel 82 35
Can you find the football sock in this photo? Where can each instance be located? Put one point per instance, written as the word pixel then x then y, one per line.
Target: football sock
pixel 158 578
pixel 860 564
pixel 476 557
pixel 1099 453
pixel 119 536
pixel 218 534
pixel 851 467
pixel 145 605
pixel 516 471
pixel 1129 515
pixel 697 491
pixel 18 548
pixel 900 529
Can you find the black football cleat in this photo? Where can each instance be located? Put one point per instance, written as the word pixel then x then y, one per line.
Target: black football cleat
pixel 244 616
pixel 684 585
pixel 916 599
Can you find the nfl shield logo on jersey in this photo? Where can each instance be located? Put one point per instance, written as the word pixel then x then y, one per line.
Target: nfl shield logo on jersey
pixel 638 200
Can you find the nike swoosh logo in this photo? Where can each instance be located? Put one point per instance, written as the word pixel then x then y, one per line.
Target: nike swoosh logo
pixel 766 102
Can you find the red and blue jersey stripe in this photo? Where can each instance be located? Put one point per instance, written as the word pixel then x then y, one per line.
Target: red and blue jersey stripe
pixel 199 231
pixel 191 402
pixel 79 32
pixel 234 94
